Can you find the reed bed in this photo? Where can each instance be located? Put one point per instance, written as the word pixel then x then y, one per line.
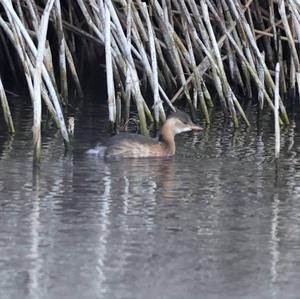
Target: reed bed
pixel 157 54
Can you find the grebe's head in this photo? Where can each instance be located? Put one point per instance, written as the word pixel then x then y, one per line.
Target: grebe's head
pixel 181 122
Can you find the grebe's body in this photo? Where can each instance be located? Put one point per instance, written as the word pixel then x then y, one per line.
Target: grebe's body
pixel 127 145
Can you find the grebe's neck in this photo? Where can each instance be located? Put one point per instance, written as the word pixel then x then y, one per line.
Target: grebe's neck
pixel 167 136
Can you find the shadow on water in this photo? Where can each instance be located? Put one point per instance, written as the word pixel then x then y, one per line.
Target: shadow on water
pixel 220 219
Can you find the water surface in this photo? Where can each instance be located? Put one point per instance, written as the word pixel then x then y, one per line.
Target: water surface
pixel 219 220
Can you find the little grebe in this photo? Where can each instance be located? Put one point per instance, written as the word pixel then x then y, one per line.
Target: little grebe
pixel 129 145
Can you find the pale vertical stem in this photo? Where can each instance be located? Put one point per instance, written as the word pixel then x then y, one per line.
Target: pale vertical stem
pixel 89 20
pixel 128 87
pixel 265 39
pixel 62 53
pixel 156 97
pixel 128 84
pixel 276 111
pixel 166 12
pixel 251 61
pixel 14 38
pixel 261 76
pixel 35 20
pixel 226 88
pixel 11 12
pixel 136 19
pixel 168 33
pixel 49 105
pixel 126 51
pixel 118 110
pixel 247 64
pixel 207 95
pixel 238 13
pixel 101 11
pixel 71 126
pixel 287 29
pixel 283 86
pixel 109 69
pixel 34 16
pixel 28 70
pixel 48 62
pixel 37 81
pixel 73 70
pixel 292 77
pixel 20 11
pixel 236 36
pixel 144 59
pixel 157 101
pixel 128 22
pixel 6 110
pixel 296 18
pixel 207 43
pixel 195 97
pixel 296 26
pixel 165 69
pixel 197 77
pixel 94 12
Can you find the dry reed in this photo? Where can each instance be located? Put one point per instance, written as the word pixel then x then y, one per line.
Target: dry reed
pixel 181 51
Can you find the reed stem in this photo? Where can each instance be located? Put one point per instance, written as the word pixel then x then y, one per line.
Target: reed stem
pixel 276 111
pixel 157 53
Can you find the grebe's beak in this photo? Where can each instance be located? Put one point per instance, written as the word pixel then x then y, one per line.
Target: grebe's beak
pixel 195 127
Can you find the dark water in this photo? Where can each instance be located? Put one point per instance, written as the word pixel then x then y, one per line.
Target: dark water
pixel 220 220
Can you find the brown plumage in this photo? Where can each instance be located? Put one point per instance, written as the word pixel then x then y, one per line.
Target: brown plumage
pixel 127 145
